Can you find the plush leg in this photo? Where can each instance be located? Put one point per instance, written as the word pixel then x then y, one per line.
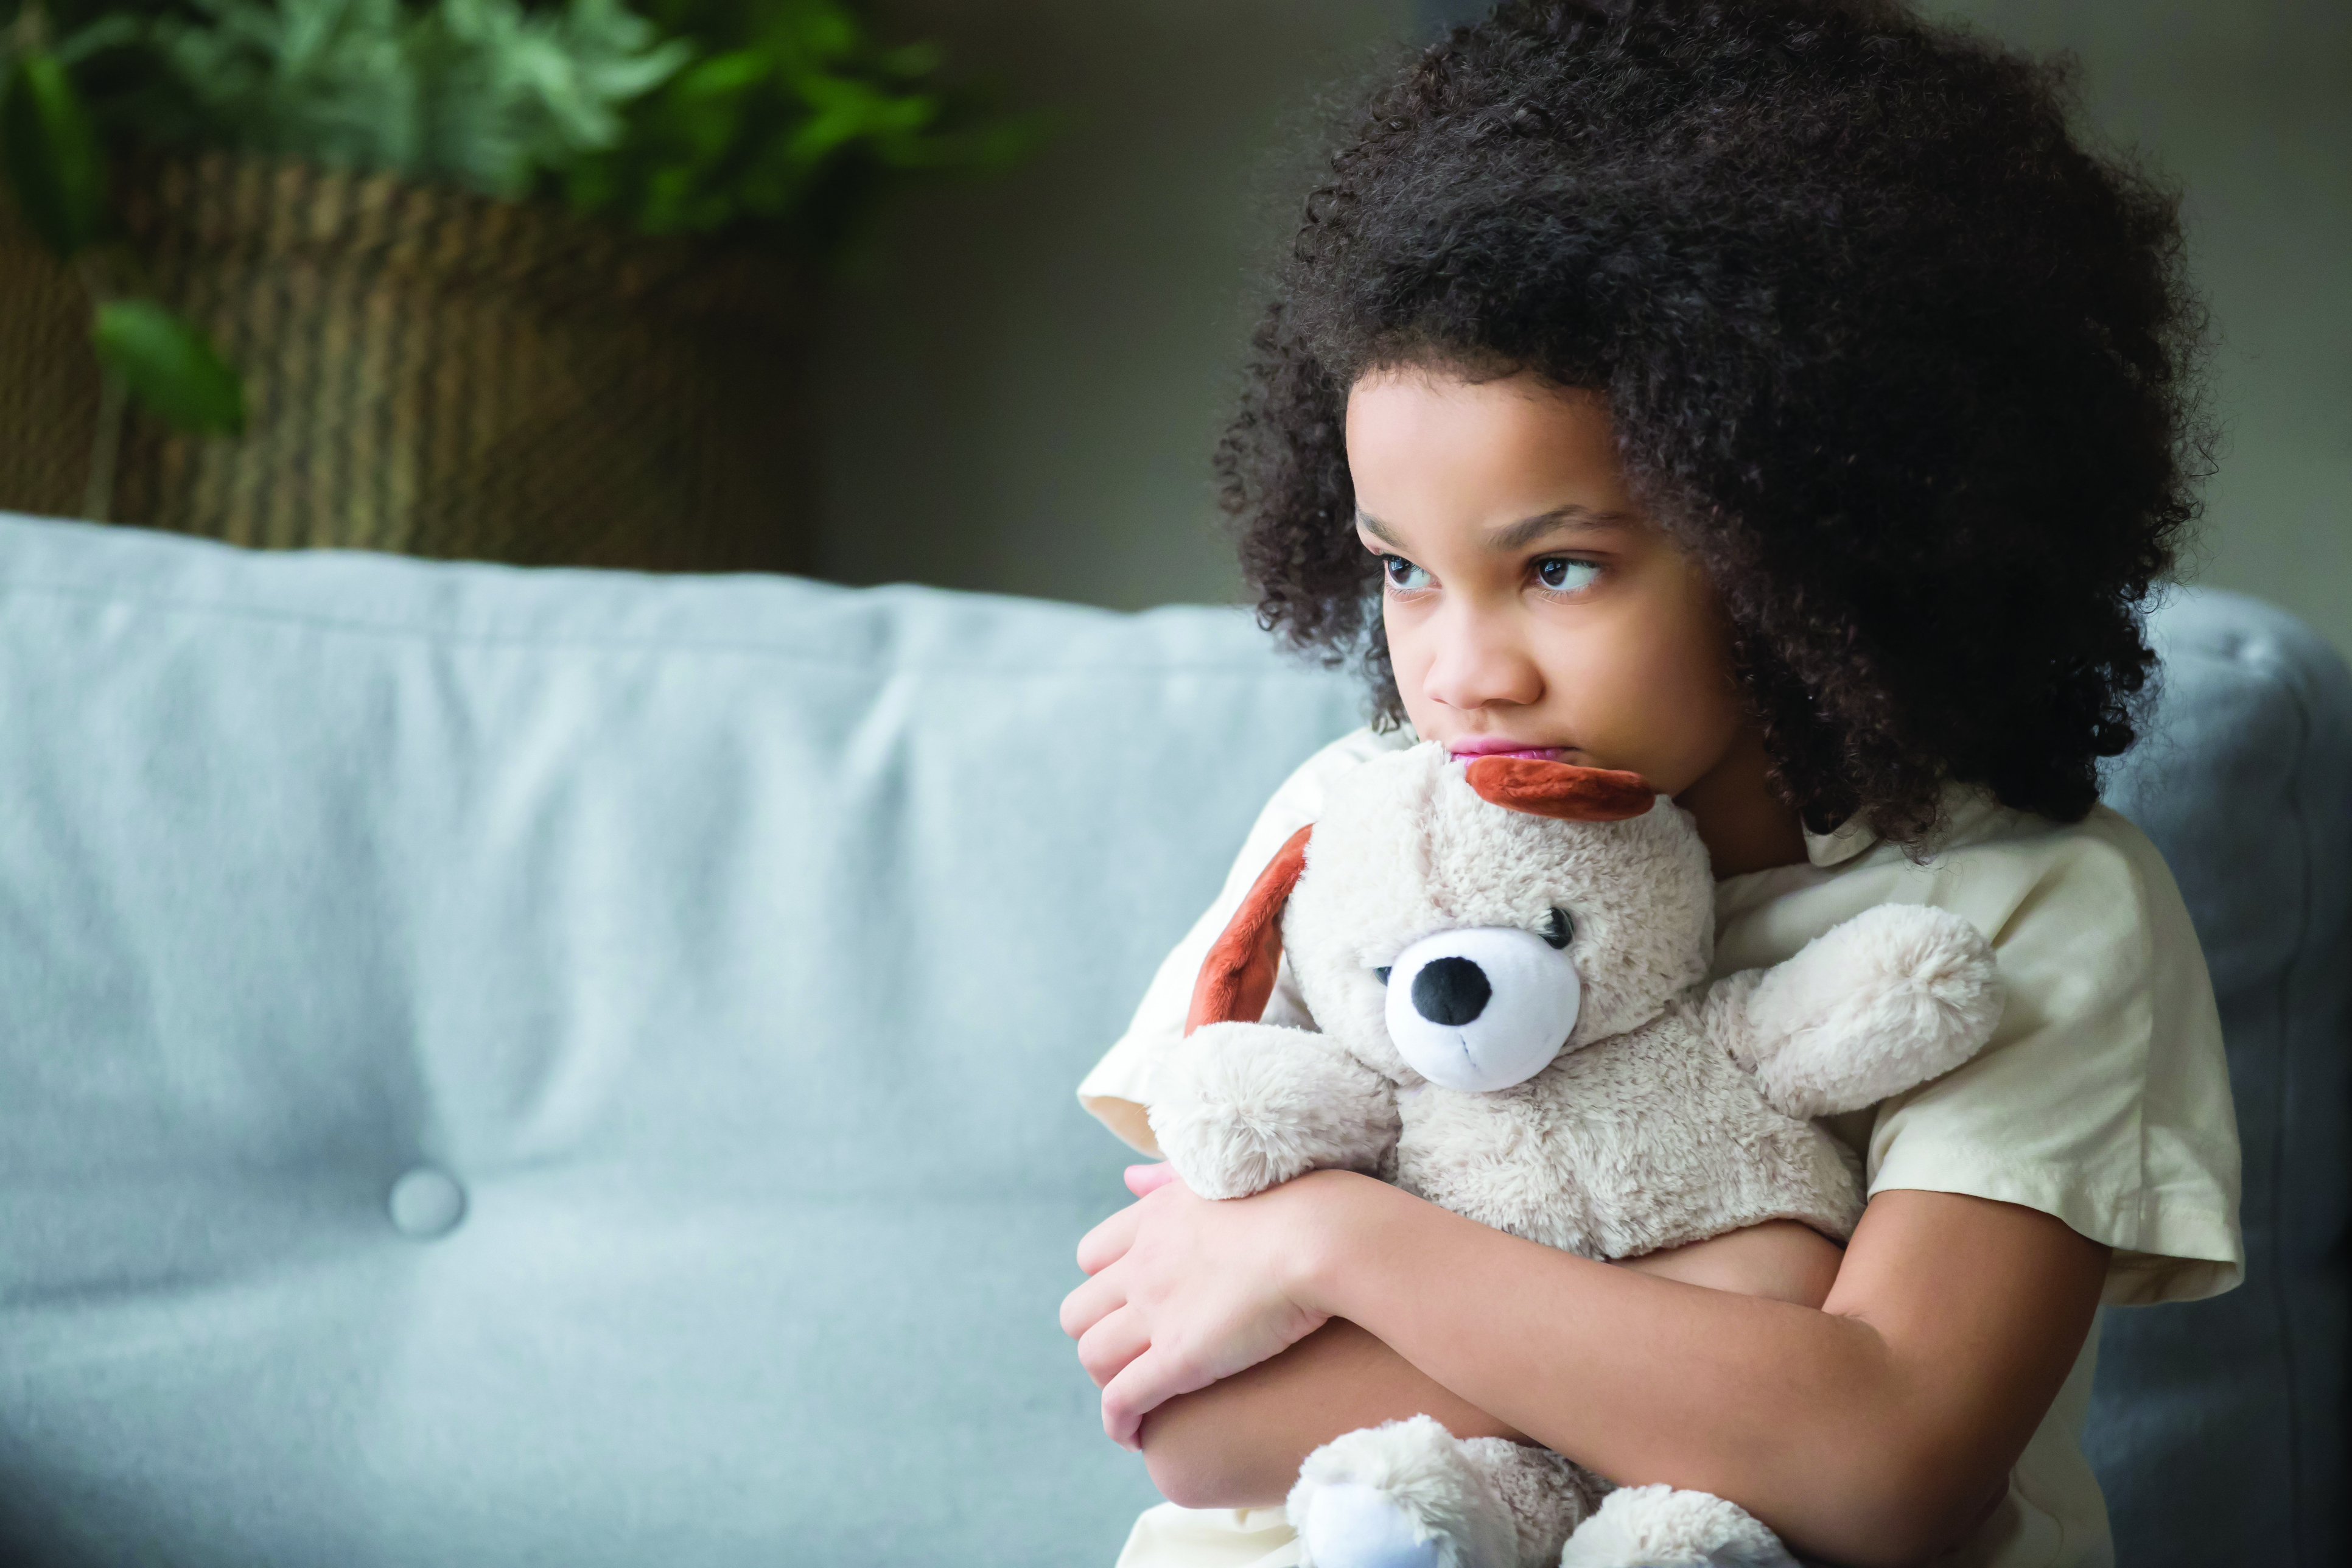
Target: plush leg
pixel 1349 1524
pixel 1410 1495
pixel 1546 1495
pixel 1658 1527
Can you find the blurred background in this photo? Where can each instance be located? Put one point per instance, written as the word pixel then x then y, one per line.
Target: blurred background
pixel 945 290
pixel 1022 393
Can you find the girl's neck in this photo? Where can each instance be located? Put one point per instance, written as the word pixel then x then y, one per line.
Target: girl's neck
pixel 1743 824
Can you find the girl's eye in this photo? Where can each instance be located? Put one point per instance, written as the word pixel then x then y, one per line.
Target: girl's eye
pixel 1403 573
pixel 1563 574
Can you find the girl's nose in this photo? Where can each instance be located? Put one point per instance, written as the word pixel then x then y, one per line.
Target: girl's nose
pixel 1480 664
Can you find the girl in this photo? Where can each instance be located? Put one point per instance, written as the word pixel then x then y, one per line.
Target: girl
pixel 1770 397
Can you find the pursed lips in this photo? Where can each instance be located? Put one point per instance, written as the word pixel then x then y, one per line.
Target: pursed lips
pixel 1463 751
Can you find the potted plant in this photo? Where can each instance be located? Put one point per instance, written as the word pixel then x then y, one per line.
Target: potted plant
pixel 482 278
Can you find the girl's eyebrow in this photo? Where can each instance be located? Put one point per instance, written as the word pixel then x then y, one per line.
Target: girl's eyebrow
pixel 1527 531
pixel 1520 534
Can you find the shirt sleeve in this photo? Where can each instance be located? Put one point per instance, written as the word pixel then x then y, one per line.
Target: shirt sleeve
pixel 2104 1098
pixel 1119 1088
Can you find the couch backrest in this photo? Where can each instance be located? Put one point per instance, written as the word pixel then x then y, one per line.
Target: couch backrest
pixel 2245 782
pixel 504 1067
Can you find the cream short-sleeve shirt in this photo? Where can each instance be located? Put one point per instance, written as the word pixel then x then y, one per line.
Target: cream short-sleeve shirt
pixel 2104 1098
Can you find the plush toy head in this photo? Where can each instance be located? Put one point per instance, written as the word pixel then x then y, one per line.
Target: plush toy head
pixel 1467 924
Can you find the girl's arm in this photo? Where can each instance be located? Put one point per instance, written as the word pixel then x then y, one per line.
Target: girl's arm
pixel 1239 1443
pixel 1875 1430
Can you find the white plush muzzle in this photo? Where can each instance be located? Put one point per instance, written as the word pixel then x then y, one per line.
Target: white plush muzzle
pixel 1481 1008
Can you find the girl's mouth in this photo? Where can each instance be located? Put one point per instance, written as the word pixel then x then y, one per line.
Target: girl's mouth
pixel 1470 751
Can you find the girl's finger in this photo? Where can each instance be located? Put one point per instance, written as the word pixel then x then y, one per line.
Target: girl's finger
pixel 1107 1242
pixel 1090 1303
pixel 1145 1180
pixel 1142 1386
pixel 1114 1341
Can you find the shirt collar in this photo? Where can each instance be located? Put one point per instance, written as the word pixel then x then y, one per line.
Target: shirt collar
pixel 1842 843
pixel 1969 811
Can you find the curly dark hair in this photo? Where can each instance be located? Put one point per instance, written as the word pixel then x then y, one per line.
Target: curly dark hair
pixel 1906 368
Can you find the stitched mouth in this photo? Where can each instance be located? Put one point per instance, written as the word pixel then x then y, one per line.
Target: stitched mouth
pixel 1475 1071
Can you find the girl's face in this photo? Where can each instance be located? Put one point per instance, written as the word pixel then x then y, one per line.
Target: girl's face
pixel 1529 605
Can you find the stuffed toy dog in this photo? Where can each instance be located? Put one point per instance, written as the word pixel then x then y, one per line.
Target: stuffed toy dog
pixel 1504 964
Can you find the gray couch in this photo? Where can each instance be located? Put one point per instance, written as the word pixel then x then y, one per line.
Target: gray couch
pixel 540 1068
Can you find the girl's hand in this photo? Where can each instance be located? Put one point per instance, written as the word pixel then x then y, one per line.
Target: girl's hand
pixel 1184 1291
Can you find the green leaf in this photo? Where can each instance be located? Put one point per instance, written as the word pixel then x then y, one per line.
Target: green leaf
pixel 724 75
pixel 52 154
pixel 170 366
pixel 911 62
pixel 104 32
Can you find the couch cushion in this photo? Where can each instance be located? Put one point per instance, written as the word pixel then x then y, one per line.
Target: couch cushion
pixel 732 947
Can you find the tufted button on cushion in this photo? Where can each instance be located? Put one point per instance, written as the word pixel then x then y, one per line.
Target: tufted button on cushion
pixel 427 1204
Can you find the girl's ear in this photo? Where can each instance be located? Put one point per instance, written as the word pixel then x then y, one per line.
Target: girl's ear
pixel 1561 789
pixel 1237 977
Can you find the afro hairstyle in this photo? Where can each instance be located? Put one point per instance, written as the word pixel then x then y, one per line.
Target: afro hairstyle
pixel 1903 365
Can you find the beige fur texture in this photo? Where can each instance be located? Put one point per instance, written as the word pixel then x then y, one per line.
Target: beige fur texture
pixel 1672 1111
pixel 1658 1527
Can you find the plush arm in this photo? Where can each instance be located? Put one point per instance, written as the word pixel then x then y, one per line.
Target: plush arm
pixel 1239 1107
pixel 1891 998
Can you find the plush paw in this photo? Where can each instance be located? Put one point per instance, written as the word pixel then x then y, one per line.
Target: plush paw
pixel 1238 1107
pixel 1404 1493
pixel 1658 1527
pixel 1352 1525
pixel 1896 995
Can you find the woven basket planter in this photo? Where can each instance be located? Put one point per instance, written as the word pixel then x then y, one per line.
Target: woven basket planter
pixel 432 372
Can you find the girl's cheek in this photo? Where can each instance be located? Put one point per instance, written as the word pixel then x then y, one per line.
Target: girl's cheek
pixel 1404 648
pixel 1409 685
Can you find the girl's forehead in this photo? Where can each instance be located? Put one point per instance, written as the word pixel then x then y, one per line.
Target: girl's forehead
pixel 1493 462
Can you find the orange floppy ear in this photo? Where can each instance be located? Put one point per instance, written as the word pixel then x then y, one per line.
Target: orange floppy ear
pixel 1237 977
pixel 1561 789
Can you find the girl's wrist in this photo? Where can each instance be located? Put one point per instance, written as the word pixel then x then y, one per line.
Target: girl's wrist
pixel 1327 1244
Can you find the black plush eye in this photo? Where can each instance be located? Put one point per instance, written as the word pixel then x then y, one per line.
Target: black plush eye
pixel 1557 928
pixel 1382 973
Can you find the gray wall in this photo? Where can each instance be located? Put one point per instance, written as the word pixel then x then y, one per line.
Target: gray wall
pixel 2248 104
pixel 1022 390
pixel 1022 386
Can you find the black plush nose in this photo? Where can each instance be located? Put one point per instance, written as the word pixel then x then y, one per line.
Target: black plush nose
pixel 1450 990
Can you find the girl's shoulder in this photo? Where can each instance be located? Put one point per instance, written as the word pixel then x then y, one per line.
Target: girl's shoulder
pixel 2104 1097
pixel 1299 798
pixel 1116 1090
pixel 2038 889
